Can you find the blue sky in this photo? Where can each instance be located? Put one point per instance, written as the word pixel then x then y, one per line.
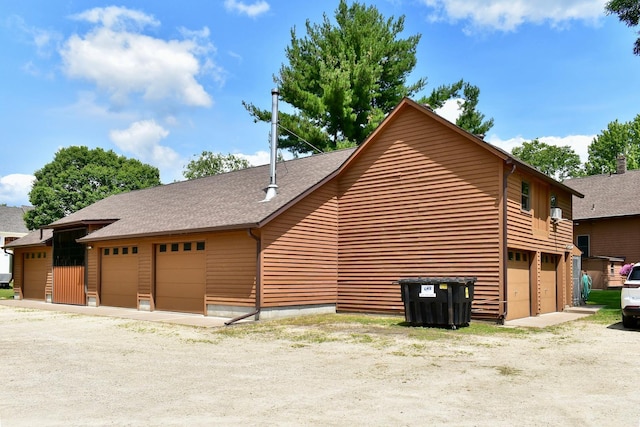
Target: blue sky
pixel 163 81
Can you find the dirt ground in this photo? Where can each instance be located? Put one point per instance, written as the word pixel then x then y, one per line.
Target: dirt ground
pixel 69 369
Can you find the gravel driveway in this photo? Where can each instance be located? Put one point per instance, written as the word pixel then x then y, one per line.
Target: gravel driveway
pixel 70 369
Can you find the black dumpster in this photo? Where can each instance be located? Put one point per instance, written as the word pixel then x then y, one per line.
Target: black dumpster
pixel 437 301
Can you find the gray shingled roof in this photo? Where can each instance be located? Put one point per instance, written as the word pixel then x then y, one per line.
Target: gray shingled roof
pixel 225 201
pixel 606 195
pixel 34 238
pixel 12 219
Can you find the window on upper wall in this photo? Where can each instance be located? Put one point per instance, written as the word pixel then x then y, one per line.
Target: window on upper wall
pixel 526 196
pixel 582 242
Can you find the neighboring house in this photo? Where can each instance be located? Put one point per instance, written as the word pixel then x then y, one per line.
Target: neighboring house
pixel 12 227
pixel 607 223
pixel 420 197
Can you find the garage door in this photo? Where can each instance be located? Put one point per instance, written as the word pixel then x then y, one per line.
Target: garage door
pixel 518 285
pixel 37 265
pixel 119 277
pixel 548 284
pixel 180 277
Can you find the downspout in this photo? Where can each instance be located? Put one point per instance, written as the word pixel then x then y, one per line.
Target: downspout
pixel 11 262
pixel 505 243
pixel 256 312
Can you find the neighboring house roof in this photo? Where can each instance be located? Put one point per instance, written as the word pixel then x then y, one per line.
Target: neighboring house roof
pixel 234 200
pixel 12 219
pixel 606 196
pixel 34 238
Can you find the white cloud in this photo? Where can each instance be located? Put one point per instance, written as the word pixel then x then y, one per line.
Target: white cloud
pixel 142 139
pixel 451 109
pixel 263 157
pixel 15 188
pixel 252 10
pixel 579 143
pixel 122 61
pixel 507 15
pixel 116 17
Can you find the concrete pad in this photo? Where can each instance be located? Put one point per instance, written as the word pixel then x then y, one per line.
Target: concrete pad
pixel 122 313
pixel 545 320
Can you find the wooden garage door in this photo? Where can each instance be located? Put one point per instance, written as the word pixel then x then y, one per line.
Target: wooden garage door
pixel 548 284
pixel 518 285
pixel 37 265
pixel 180 277
pixel 119 277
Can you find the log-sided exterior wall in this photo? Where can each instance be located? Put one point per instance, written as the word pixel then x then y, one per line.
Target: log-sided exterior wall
pixel 299 252
pixel 420 201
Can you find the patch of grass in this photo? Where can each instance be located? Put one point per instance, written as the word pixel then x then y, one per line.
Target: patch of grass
pixel 610 313
pixel 6 293
pixel 508 371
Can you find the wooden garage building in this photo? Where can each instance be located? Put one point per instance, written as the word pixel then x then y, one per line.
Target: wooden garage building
pixel 420 197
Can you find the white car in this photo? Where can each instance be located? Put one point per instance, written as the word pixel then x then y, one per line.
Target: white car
pixel 630 298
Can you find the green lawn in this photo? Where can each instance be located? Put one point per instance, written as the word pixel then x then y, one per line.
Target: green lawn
pixel 610 300
pixel 6 293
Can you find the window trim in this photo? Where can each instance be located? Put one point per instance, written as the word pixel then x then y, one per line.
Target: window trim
pixel 588 251
pixel 525 199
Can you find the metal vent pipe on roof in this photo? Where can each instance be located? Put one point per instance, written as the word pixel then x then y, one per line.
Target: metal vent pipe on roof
pixel 273 187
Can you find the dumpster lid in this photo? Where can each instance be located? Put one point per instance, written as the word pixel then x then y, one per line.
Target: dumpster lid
pixel 438 280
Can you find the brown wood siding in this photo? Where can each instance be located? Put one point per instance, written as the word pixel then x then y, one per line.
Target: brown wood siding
pixel 614 237
pixel 520 224
pixel 548 284
pixel 299 255
pixel 231 272
pixel 420 200
pixel 534 231
pixel 68 285
pixel 230 265
pixel 92 272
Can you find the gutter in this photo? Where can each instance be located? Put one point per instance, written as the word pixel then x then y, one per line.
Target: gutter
pixel 505 243
pixel 256 312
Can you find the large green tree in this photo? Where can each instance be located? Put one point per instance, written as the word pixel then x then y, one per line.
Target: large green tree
pixel 342 79
pixel 618 139
pixel 628 11
pixel 557 162
pixel 78 177
pixel 212 164
pixel 468 96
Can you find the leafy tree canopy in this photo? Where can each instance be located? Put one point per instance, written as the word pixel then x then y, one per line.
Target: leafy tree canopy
pixel 343 78
pixel 628 11
pixel 557 162
pixel 78 177
pixel 212 164
pixel 617 139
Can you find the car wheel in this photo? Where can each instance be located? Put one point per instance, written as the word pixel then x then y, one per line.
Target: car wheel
pixel 628 321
